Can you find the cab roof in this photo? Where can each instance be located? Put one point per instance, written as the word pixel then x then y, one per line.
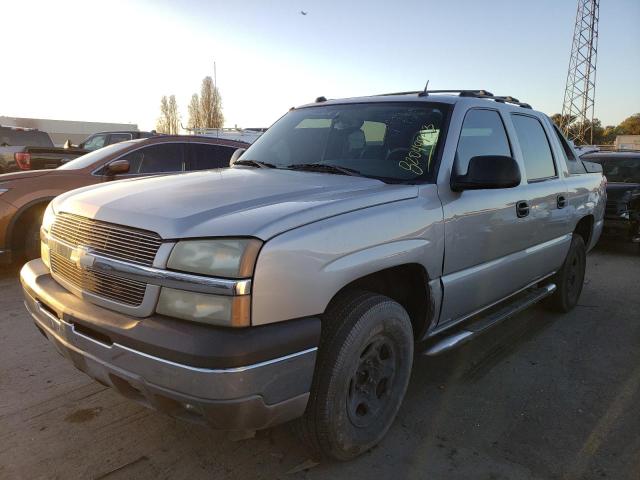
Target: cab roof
pixel 442 96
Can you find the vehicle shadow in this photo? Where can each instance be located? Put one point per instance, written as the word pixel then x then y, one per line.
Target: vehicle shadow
pixel 617 247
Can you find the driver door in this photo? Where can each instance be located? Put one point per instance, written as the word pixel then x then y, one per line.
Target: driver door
pixel 485 236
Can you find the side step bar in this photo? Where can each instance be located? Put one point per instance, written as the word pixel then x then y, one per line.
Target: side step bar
pixel 484 323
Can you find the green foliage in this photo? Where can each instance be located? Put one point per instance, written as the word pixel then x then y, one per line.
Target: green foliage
pixel 601 135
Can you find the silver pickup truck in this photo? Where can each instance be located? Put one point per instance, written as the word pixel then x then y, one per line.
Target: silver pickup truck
pixel 300 283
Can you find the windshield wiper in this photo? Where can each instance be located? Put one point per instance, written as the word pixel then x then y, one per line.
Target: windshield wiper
pixel 255 163
pixel 324 167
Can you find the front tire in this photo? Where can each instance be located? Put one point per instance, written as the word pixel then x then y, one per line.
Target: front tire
pixel 362 372
pixel 570 277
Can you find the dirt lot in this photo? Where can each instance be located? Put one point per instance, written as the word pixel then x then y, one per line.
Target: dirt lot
pixel 543 396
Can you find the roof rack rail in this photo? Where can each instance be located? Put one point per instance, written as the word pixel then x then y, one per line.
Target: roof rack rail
pixel 466 93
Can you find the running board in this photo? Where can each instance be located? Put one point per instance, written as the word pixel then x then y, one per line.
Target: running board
pixel 484 323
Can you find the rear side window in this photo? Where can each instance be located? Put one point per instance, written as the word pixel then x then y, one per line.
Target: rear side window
pixel 119 137
pixel 161 158
pixel 205 157
pixel 482 134
pixel 536 151
pixel 573 164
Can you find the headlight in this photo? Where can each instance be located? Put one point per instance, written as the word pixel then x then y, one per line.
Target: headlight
pixel 45 254
pixel 47 222
pixel 48 218
pixel 3 190
pixel 231 258
pixel 226 311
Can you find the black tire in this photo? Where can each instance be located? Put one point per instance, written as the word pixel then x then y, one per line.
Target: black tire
pixel 32 240
pixel 570 278
pixel 362 372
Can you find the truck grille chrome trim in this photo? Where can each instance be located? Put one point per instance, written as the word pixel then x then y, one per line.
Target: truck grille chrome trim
pixel 113 287
pixel 171 279
pixel 115 241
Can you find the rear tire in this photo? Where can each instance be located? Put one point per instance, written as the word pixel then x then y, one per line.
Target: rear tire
pixel 570 278
pixel 362 372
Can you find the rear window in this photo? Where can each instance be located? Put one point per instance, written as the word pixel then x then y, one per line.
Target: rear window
pixel 28 138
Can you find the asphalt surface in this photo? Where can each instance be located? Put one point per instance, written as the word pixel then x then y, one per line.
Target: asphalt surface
pixel 542 396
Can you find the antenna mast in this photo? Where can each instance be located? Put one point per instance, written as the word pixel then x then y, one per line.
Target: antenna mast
pixel 579 95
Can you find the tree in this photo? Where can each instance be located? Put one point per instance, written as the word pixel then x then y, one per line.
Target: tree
pixel 210 105
pixel 195 115
pixel 630 125
pixel 169 120
pixel 174 116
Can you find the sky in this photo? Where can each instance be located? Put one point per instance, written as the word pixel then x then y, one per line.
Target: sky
pixel 112 61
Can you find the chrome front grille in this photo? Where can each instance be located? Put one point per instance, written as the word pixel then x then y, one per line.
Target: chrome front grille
pixel 112 287
pixel 106 239
pixel 113 241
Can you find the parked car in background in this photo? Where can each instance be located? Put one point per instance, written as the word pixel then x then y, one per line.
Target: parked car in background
pixel 24 195
pixel 31 149
pixel 622 169
pixel 102 139
pixel 301 281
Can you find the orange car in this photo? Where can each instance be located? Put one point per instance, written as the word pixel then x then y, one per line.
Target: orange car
pixel 25 195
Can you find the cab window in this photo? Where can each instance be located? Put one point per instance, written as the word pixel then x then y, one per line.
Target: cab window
pixel 161 158
pixel 483 134
pixel 536 151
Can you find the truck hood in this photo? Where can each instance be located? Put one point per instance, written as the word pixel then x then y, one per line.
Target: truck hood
pixel 229 202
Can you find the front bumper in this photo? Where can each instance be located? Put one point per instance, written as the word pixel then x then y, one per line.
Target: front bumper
pixel 252 396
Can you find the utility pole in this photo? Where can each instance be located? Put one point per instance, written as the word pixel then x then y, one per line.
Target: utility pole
pixel 580 90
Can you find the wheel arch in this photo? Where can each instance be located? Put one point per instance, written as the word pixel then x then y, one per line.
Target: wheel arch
pixel 408 284
pixel 584 228
pixel 16 228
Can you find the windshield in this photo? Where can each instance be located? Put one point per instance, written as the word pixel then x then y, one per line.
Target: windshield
pixel 95 156
pixel 389 141
pixel 623 170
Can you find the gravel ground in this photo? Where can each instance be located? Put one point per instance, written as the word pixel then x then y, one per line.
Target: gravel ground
pixel 542 396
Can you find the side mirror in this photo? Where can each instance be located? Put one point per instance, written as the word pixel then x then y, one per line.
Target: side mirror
pixel 236 155
pixel 118 166
pixel 487 172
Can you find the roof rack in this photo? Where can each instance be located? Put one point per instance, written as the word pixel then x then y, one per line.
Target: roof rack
pixel 465 93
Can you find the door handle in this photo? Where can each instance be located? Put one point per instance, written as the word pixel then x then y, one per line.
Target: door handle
pixel 562 201
pixel 522 208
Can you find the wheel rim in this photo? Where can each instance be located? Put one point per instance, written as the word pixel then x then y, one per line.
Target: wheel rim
pixel 372 382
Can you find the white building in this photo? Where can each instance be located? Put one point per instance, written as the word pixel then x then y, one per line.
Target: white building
pixel 627 142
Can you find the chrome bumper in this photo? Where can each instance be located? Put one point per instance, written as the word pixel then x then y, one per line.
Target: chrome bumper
pixel 248 397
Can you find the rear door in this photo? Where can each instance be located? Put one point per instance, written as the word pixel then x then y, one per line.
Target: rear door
pixel 205 156
pixel 548 200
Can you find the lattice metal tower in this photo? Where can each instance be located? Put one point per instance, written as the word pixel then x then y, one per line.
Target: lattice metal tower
pixel 579 94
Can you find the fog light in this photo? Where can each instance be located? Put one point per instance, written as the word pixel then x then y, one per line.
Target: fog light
pixel 220 310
